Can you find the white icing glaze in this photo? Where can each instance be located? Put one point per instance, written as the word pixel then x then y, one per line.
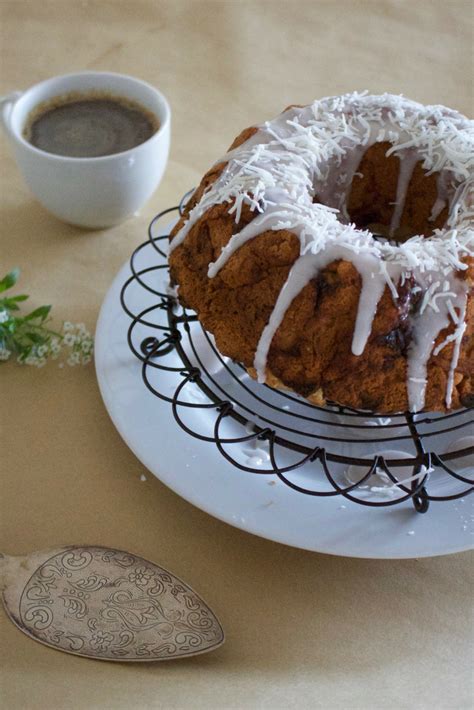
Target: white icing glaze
pixel 255 450
pixel 334 191
pixel 419 354
pixel 302 272
pixel 316 150
pixel 379 483
pixel 458 333
pixel 371 292
pixel 442 197
pixel 407 165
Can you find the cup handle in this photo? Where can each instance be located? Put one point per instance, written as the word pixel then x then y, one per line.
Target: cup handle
pixel 6 105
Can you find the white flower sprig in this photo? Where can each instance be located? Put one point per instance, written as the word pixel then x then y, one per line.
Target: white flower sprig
pixel 80 341
pixel 28 339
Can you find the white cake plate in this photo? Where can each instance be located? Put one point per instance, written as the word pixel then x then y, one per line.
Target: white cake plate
pixel 259 504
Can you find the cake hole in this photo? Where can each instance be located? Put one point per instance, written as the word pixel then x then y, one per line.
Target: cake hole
pixel 391 197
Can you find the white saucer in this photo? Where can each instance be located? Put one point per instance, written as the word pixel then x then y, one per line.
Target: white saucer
pixel 260 504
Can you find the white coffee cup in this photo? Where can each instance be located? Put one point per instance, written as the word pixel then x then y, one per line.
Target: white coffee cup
pixel 90 192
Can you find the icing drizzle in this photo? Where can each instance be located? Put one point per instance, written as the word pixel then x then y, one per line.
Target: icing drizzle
pixel 316 150
pixel 407 166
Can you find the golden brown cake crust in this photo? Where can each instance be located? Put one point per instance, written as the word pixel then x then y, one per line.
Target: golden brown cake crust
pixel 311 350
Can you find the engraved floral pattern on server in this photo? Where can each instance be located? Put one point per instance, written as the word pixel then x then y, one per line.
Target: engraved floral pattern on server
pixel 113 605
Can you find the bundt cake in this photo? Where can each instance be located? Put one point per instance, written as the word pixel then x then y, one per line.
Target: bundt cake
pixel 331 252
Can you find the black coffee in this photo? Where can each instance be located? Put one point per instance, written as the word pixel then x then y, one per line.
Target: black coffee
pixel 89 126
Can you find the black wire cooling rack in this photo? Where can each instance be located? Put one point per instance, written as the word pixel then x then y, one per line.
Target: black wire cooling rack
pixel 317 451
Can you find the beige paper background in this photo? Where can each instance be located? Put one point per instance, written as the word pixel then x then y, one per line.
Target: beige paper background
pixel 303 630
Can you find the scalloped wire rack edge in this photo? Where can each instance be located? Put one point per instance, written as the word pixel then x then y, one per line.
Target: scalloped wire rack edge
pixel 176 330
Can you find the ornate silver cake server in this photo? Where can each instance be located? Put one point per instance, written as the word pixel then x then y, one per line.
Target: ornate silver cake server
pixel 107 604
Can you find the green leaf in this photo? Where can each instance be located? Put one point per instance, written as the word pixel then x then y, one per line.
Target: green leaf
pixel 11 304
pixel 21 297
pixel 10 279
pixel 42 312
pixel 36 338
